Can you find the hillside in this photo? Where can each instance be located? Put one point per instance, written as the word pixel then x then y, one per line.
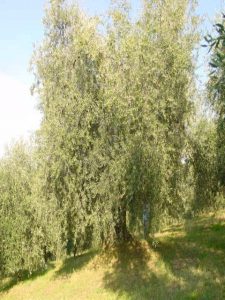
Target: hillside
pixel 186 261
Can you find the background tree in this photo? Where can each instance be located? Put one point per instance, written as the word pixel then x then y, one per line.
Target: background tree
pixel 216 91
pixel 204 160
pixel 22 240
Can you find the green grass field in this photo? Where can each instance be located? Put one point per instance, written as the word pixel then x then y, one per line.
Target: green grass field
pixel 188 262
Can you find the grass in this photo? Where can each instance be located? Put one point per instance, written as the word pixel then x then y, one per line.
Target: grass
pixel 188 262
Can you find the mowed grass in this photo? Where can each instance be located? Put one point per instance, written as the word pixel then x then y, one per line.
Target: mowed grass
pixel 187 262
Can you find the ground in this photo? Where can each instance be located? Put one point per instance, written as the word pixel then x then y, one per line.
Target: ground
pixel 186 261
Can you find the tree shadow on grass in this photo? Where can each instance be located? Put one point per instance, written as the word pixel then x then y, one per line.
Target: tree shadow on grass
pixel 7 283
pixel 189 265
pixel 130 274
pixel 73 264
pixel 197 258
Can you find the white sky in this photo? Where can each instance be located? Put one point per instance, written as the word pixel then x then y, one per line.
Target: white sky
pixel 18 114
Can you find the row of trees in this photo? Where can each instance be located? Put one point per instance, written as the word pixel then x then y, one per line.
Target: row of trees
pixel 117 140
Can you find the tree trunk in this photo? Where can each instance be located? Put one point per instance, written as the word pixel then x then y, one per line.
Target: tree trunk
pixel 122 233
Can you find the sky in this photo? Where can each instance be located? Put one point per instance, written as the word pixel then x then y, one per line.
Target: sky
pixel 21 28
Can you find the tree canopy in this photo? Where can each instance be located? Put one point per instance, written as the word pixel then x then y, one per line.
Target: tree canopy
pixel 116 155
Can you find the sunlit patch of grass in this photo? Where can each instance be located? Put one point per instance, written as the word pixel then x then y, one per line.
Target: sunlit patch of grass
pixel 186 262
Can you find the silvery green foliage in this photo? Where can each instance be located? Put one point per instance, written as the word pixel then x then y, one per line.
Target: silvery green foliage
pixel 21 235
pixel 204 155
pixel 116 97
pixel 216 44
